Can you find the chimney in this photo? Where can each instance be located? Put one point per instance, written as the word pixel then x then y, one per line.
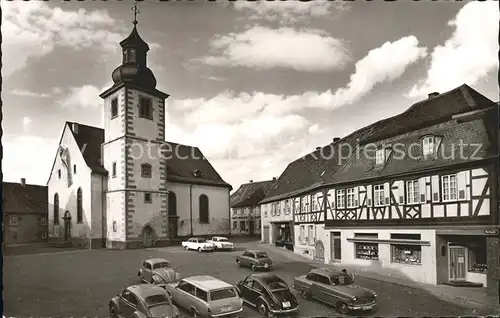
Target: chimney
pixel 75 128
pixel 434 94
pixel 23 181
pixel 251 181
pixel 336 139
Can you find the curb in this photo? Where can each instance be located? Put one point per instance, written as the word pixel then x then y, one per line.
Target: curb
pixel 471 304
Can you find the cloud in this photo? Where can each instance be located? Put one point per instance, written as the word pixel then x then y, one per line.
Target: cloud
pixel 290 11
pixel 383 64
pixel 26 123
pixel 468 55
pixel 264 48
pixel 32 30
pixel 86 96
pixel 28 157
pixel 26 93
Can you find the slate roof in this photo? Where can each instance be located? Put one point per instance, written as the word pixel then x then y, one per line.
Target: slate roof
pixel 314 170
pixel 181 162
pixel 27 199
pixel 249 194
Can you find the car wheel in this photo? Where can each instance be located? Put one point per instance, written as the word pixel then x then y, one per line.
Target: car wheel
pixel 194 313
pixel 186 248
pixel 113 311
pixel 238 262
pixel 262 308
pixel 200 250
pixel 342 308
pixel 253 267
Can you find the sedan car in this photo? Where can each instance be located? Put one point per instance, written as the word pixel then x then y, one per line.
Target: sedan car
pixel 206 296
pixel 255 259
pixel 335 288
pixel 157 271
pixel 268 293
pixel 141 301
pixel 221 243
pixel 198 244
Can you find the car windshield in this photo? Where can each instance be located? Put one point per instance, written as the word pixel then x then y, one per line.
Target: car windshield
pixel 156 300
pixel 161 265
pixel 222 239
pixel 261 255
pixel 201 240
pixel 341 280
pixel 277 286
pixel 223 294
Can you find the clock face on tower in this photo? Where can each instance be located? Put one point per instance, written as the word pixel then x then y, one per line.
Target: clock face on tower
pixel 66 161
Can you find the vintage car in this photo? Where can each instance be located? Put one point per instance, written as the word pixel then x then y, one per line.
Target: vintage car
pixel 157 271
pixel 198 244
pixel 221 243
pixel 335 288
pixel 255 260
pixel 141 301
pixel 268 293
pixel 206 296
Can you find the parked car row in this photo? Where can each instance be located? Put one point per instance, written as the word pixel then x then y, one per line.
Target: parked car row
pixel 203 245
pixel 163 291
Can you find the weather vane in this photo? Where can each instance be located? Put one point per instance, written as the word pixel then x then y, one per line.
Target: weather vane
pixel 136 11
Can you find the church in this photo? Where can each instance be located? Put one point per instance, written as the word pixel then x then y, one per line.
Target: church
pixel 125 186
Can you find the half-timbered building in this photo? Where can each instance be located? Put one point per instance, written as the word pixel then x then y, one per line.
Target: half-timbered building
pixel 418 197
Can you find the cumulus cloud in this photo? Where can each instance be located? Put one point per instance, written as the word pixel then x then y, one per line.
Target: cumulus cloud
pixel 26 123
pixel 33 29
pixel 86 96
pixel 264 48
pixel 27 93
pixel 290 11
pixel 468 55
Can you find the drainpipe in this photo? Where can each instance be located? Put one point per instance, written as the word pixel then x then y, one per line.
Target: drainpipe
pixel 191 207
pixel 229 208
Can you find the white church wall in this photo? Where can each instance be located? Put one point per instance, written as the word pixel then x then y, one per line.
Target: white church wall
pixel 68 195
pixel 96 203
pixel 188 209
pixel 115 225
pixel 113 153
pixel 145 128
pixel 114 127
pixel 142 214
pixel 144 152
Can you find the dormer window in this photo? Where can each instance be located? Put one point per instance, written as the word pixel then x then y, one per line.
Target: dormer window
pixel 380 156
pixel 196 172
pixel 428 147
pixel 145 108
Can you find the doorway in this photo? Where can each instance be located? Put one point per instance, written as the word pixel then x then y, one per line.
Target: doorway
pixel 335 247
pixel 147 236
pixel 67 226
pixel 457 263
pixel 251 226
pixel 172 226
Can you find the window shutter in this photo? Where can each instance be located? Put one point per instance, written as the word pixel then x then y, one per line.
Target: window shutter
pixel 387 193
pixel 320 200
pixel 369 195
pixel 461 188
pixel 435 188
pixel 333 198
pixel 356 196
pixel 422 188
pixel 401 191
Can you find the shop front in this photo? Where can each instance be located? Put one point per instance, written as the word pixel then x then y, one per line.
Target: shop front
pixel 283 234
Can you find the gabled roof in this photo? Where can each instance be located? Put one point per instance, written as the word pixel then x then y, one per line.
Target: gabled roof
pixel 27 199
pixel 186 164
pixel 249 194
pixel 89 140
pixel 321 166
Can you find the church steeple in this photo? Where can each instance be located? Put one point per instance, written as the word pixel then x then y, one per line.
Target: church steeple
pixel 134 68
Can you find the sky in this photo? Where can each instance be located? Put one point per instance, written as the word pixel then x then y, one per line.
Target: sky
pixel 254 85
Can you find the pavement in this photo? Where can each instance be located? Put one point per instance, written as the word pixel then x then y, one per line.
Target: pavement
pixel 81 283
pixel 473 298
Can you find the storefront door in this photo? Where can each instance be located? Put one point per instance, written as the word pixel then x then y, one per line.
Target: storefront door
pixel 457 263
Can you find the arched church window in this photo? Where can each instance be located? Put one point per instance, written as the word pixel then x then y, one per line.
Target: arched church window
pixel 79 207
pixel 56 208
pixel 146 170
pixel 145 108
pixel 204 214
pixel 172 204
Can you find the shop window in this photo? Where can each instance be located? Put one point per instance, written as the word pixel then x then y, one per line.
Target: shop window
pixel 302 237
pixel 235 225
pixel 477 255
pixel 242 226
pixel 366 250
pixel 406 253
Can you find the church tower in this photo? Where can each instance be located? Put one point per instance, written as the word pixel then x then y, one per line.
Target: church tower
pixel 134 151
